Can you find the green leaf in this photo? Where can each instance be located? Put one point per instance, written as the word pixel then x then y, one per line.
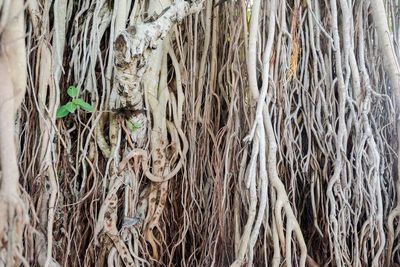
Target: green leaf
pixel 83 105
pixel 62 112
pixel 130 125
pixel 72 91
pixel 133 126
pixel 70 106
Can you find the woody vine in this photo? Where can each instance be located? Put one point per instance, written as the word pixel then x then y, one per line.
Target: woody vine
pixel 199 133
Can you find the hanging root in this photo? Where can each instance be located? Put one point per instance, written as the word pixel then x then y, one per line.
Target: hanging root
pixel 253 132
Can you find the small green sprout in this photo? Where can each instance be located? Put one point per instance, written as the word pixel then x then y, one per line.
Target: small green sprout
pixel 134 126
pixel 71 106
pixel 248 14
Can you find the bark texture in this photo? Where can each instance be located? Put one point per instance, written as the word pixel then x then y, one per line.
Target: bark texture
pixel 227 133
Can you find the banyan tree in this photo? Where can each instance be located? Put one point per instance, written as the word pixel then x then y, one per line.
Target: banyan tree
pixel 199 133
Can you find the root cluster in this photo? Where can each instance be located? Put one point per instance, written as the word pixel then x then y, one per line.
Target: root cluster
pixel 267 133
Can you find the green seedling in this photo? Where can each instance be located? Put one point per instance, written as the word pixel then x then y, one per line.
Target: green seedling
pixel 71 106
pixel 134 126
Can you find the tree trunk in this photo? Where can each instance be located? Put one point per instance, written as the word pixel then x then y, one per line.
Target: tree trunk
pixel 199 133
